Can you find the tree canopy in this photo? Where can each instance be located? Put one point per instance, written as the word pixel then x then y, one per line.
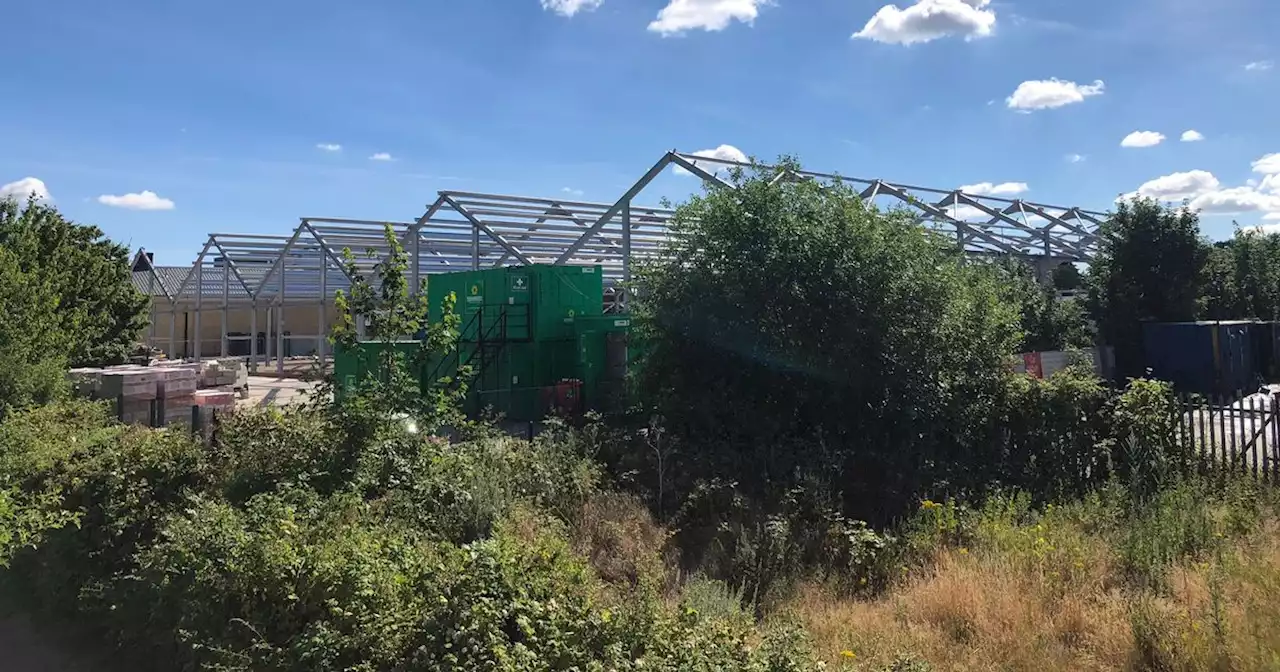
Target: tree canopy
pixel 1148 267
pixel 98 308
pixel 793 328
pixel 1048 323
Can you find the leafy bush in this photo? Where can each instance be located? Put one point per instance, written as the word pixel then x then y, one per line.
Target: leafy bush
pixel 1148 452
pixel 794 332
pixel 1148 267
pixel 1051 435
pixel 33 356
pixel 1047 323
pixel 278 549
pixel 95 306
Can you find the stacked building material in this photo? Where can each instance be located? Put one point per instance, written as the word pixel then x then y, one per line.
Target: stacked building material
pixel 224 373
pixel 211 402
pixel 85 382
pixel 176 388
pixel 134 388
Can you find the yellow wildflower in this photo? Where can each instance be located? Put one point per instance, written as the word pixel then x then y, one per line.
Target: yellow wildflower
pixel 848 654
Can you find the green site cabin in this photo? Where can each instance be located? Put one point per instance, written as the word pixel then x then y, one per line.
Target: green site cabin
pixel 523 330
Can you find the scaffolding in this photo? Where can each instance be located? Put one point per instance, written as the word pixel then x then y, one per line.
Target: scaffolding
pixel 267 275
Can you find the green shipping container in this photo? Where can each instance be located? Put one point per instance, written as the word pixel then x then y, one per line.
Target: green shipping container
pixel 602 344
pixel 539 303
pixel 523 329
pixel 350 366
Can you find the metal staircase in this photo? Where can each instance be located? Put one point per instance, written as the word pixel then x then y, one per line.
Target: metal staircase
pixel 483 337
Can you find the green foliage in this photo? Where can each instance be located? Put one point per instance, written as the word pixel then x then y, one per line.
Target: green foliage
pixel 385 311
pixel 1148 452
pixel 1242 277
pixel 294 543
pixel 795 332
pixel 1221 298
pixel 1067 277
pixel 33 344
pixel 97 307
pixel 1148 267
pixel 1050 435
pixel 1048 323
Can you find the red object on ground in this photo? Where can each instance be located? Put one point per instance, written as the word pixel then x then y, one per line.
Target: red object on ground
pixel 1035 368
pixel 565 397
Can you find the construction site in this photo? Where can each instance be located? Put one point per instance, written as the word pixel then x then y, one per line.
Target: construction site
pixel 541 283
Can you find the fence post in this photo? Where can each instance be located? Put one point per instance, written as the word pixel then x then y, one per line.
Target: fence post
pixel 1258 438
pixel 1273 469
pixel 195 421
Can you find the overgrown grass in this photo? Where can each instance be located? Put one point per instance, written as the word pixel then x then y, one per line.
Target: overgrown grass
pixel 1187 581
pixel 294 544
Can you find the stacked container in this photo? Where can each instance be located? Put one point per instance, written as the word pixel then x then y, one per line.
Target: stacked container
pixel 1203 357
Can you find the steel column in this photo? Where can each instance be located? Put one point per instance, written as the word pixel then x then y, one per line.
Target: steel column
pixel 226 301
pixel 199 296
pixel 322 339
pixel 253 338
pixel 613 210
pixel 280 320
pixel 626 253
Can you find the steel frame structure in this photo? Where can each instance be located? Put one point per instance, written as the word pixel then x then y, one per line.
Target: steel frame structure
pixel 463 230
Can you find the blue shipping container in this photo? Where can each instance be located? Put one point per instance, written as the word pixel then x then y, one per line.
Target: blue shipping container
pixel 1204 357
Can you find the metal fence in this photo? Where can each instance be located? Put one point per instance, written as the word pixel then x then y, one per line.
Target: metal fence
pixel 1239 435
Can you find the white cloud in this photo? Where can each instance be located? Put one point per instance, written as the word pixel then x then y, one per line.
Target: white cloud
pixel 724 152
pixel 1177 186
pixel 381 156
pixel 570 7
pixel 576 193
pixel 1142 139
pixel 24 189
pixel 929 20
pixel 989 189
pixel 1236 200
pixel 1204 192
pixel 681 15
pixel 1259 66
pixel 329 147
pixel 146 200
pixel 1268 165
pixel 966 213
pixel 1044 94
pixel 1075 158
pixel 1192 136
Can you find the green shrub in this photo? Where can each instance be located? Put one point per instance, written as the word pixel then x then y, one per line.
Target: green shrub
pixel 96 312
pixel 33 353
pixel 260 449
pixel 1147 450
pixel 1051 436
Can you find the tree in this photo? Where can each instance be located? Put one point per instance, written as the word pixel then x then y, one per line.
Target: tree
pixel 796 334
pixel 1067 277
pixel 1148 267
pixel 1256 260
pixel 98 307
pixel 1221 298
pixel 33 344
pixel 1048 323
pixel 390 312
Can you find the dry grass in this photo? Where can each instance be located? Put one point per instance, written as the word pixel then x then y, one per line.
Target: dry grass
pixel 619 538
pixel 1064 607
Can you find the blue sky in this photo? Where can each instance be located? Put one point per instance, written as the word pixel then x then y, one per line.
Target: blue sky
pixel 164 121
